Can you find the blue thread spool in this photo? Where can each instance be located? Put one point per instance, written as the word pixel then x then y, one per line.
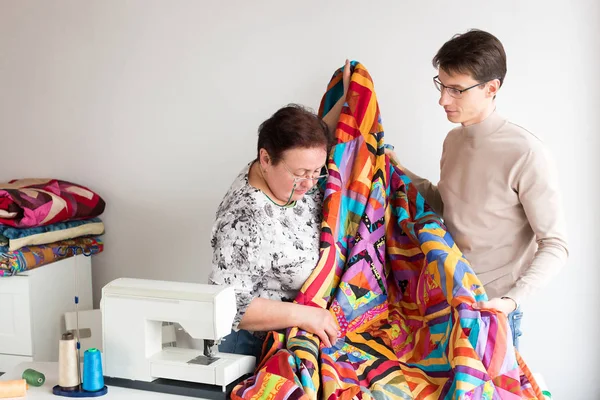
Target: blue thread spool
pixel 93 380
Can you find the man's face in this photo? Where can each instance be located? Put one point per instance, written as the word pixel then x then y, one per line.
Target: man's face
pixel 472 105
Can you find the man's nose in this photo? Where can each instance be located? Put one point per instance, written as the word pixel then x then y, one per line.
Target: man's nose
pixel 445 98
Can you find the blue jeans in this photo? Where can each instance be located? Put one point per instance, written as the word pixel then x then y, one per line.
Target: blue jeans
pixel 514 321
pixel 242 342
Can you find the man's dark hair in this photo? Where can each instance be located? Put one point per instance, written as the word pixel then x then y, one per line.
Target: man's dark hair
pixel 476 53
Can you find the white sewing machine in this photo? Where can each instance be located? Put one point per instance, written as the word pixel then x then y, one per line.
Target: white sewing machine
pixel 133 311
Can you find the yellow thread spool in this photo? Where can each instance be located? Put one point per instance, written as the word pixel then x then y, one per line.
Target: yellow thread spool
pixel 16 388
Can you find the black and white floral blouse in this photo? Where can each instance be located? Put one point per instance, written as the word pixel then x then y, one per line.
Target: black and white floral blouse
pixel 262 249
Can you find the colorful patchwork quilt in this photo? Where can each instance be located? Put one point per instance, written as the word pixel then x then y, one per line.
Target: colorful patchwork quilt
pixel 29 203
pixel 398 286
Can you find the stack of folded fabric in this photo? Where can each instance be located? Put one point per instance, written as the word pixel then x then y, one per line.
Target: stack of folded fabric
pixel 46 220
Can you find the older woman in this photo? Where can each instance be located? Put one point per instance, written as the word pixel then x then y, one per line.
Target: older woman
pixel 266 235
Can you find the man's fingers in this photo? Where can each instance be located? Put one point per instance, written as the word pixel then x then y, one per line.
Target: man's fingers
pixel 479 305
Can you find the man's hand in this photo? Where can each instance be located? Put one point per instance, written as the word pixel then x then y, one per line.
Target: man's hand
pixel 393 157
pixel 506 305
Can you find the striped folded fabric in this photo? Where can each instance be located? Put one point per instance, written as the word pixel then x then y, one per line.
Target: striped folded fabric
pixel 30 257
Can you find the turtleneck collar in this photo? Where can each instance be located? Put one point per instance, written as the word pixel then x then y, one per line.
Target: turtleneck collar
pixel 488 126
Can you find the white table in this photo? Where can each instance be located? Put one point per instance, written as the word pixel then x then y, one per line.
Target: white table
pixel 50 370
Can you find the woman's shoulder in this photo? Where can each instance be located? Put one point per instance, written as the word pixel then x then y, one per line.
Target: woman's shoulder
pixel 240 194
pixel 241 180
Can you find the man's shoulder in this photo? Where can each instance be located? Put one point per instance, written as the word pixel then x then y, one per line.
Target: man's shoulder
pixel 522 136
pixel 527 148
pixel 517 141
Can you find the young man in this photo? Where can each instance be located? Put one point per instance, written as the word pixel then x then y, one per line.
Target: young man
pixel 498 191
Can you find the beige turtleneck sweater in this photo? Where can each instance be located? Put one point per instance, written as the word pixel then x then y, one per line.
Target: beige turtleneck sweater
pixel 500 200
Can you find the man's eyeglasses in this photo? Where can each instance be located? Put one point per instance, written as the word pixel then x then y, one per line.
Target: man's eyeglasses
pixel 311 178
pixel 454 92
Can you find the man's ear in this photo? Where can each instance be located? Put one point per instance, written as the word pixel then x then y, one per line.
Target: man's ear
pixel 493 88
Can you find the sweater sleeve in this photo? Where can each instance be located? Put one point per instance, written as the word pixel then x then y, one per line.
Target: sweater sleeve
pixel 539 194
pixel 428 190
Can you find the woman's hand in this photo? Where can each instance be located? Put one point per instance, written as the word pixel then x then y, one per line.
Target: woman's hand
pixel 332 117
pixel 346 77
pixel 319 322
pixel 267 315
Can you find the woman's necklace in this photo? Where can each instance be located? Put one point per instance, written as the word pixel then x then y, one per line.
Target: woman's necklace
pixel 287 203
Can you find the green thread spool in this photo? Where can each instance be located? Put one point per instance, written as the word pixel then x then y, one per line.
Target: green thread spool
pixel 33 377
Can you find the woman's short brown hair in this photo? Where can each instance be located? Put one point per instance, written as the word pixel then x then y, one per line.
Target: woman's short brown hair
pixel 476 53
pixel 293 126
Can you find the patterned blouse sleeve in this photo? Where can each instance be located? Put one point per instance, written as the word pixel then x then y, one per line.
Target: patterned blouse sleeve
pixel 236 241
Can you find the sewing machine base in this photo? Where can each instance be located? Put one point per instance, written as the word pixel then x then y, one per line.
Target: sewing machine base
pixel 181 388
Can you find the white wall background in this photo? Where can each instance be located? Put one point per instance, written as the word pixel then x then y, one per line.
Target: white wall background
pixel 155 105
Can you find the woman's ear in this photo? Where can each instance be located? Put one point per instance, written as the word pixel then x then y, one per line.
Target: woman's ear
pixel 264 159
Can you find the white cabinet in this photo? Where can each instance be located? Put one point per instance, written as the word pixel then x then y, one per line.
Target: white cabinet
pixel 32 305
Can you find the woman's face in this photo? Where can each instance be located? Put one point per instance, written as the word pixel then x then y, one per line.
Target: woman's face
pixel 298 170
